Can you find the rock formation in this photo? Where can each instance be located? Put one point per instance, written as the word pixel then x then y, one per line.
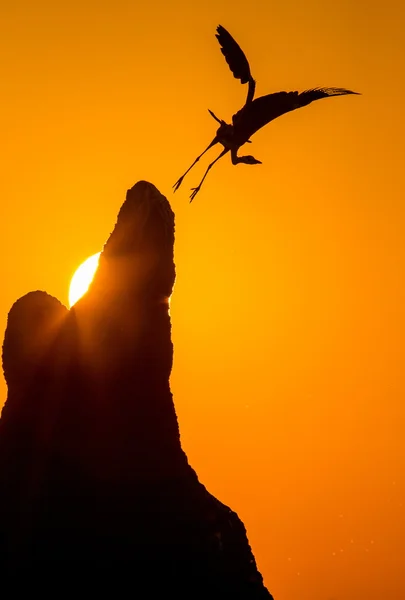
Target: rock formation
pixel 96 492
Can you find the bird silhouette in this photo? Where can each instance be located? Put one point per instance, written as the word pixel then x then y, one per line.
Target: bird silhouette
pixel 255 114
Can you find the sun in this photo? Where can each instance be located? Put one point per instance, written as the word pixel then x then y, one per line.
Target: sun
pixel 83 278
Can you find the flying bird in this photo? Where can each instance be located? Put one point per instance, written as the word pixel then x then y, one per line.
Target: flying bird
pixel 255 114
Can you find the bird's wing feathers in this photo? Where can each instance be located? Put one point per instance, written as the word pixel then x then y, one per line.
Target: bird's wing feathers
pixel 261 111
pixel 236 59
pixel 317 93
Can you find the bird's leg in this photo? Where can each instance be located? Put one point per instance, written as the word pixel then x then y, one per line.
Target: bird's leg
pixel 178 182
pixel 197 189
pixel 247 160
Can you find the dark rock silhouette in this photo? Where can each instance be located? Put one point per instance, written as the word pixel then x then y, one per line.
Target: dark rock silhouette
pixel 95 490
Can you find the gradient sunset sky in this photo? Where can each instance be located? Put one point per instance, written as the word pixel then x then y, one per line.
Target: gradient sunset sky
pixel 289 307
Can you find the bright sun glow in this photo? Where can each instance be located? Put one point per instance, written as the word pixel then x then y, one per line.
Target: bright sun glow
pixel 83 278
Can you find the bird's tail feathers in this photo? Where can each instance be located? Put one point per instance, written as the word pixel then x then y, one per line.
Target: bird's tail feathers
pixel 215 117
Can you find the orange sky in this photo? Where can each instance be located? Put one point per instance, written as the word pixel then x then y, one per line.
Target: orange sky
pixel 288 311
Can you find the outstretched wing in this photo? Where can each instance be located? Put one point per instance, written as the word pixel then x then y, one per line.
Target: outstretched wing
pixel 261 111
pixel 317 93
pixel 236 60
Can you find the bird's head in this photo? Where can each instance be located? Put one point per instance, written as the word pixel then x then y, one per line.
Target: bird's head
pixel 249 160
